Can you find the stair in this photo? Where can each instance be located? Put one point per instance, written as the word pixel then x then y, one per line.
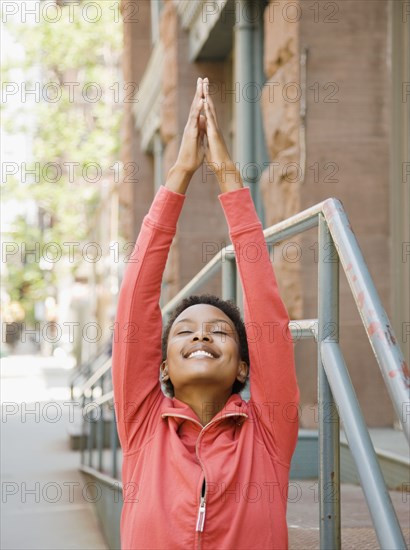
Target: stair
pixel 391 449
pixel 357 529
pixel 76 431
pixel 392 453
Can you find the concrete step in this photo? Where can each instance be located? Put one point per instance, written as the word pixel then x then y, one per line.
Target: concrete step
pixel 356 524
pixel 390 446
pixel 392 453
pixel 353 538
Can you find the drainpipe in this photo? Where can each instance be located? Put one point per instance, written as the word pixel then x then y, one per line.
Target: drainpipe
pixel 262 157
pixel 250 79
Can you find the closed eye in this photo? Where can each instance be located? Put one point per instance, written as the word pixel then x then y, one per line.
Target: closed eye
pixel 185 332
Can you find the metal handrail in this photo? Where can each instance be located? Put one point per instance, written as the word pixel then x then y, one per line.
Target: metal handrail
pixel 371 477
pixel 279 232
pixel 84 370
pixel 376 323
pixel 334 232
pixel 374 318
pixel 96 376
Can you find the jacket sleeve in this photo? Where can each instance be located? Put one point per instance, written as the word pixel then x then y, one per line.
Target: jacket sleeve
pixel 273 386
pixel 138 325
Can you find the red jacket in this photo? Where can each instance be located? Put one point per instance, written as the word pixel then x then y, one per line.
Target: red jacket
pixel 244 452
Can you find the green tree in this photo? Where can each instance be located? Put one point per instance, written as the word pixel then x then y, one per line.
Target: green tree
pixel 77 128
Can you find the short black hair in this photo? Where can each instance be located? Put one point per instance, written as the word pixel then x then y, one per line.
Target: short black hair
pixel 230 310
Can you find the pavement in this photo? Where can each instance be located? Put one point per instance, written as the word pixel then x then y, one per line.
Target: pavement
pixel 356 524
pixel 45 501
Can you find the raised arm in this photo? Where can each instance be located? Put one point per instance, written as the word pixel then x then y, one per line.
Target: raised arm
pixel 138 325
pixel 273 385
pixel 137 338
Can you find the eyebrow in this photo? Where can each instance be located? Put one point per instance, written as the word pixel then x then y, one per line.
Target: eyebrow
pixel 187 320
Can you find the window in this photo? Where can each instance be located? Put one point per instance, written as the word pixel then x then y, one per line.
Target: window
pixel 156 7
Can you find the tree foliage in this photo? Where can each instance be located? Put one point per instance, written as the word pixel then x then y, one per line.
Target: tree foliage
pixel 77 120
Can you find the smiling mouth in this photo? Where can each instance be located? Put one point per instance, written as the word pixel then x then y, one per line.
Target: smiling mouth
pixel 200 354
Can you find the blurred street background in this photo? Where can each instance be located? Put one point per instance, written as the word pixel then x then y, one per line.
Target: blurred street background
pixel 314 102
pixel 45 504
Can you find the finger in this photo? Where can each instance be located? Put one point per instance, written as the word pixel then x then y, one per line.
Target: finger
pixel 205 86
pixel 208 98
pixel 198 93
pixel 200 87
pixel 195 112
pixel 210 119
pixel 202 123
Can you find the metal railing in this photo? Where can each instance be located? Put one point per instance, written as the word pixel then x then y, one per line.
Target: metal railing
pixel 84 370
pixel 337 245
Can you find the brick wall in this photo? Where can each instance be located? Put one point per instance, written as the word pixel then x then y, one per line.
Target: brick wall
pixel 347 148
pixel 348 127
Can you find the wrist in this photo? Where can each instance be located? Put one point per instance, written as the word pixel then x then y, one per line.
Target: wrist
pixel 178 179
pixel 229 177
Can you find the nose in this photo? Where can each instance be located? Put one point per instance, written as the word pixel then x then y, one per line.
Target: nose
pixel 202 336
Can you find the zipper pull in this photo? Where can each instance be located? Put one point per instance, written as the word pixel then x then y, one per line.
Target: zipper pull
pixel 201 516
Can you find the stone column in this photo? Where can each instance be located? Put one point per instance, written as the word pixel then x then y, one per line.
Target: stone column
pixel 169 128
pixel 281 180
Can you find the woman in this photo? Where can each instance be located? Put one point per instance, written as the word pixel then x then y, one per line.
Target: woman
pixel 202 468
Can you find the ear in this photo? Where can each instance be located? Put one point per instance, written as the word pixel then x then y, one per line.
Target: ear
pixel 164 371
pixel 242 372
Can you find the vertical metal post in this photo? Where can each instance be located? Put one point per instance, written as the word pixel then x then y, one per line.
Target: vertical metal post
pixel 329 437
pixel 83 431
pixel 371 478
pixel 100 437
pixel 91 434
pixel 114 444
pixel 229 277
pixel 244 77
pixel 100 429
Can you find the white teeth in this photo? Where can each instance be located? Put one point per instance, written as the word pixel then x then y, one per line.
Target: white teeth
pixel 200 353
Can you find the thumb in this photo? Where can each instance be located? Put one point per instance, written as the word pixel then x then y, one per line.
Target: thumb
pixel 202 123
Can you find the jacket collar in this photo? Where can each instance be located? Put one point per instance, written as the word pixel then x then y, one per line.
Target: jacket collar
pixel 234 407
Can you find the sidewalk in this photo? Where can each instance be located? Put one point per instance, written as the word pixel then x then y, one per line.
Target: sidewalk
pixel 357 528
pixel 45 502
pixel 356 524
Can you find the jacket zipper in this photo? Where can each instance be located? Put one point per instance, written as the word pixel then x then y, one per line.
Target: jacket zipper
pixel 202 509
pixel 200 521
pixel 201 515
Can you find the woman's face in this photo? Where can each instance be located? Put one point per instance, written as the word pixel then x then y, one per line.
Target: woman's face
pixel 203 349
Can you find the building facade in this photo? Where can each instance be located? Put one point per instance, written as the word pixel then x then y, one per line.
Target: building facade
pixel 313 99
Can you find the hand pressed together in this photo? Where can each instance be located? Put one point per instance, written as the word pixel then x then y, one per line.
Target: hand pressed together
pixel 203 140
